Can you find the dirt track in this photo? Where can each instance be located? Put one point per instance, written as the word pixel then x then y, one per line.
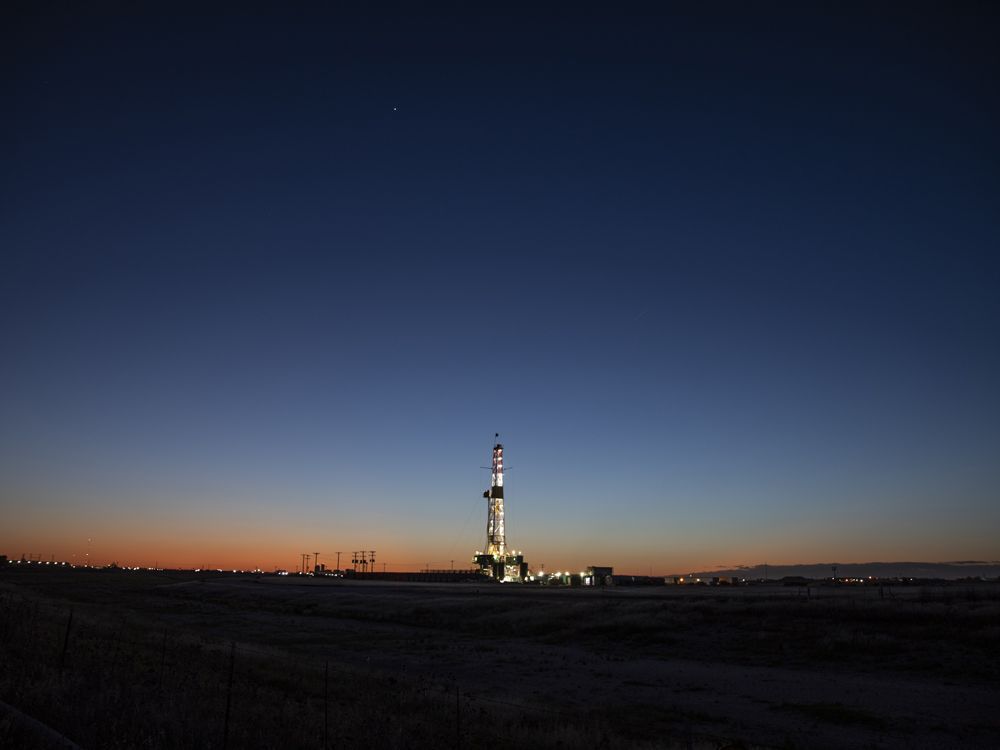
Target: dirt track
pixel 823 705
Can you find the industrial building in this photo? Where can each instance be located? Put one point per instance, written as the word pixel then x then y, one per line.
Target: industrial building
pixel 498 562
pixel 599 575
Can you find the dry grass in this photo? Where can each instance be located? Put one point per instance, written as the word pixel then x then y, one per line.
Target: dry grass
pixel 148 659
pixel 123 685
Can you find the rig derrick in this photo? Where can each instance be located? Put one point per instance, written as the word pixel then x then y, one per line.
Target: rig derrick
pixel 498 562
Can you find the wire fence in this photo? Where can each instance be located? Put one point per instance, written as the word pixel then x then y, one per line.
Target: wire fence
pixel 104 680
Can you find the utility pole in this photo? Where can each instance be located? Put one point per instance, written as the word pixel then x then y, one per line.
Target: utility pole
pixel 371 559
pixel 303 563
pixel 316 562
pixel 308 558
pixel 338 560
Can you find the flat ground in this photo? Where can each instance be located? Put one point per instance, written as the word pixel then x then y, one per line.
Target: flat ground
pixel 464 665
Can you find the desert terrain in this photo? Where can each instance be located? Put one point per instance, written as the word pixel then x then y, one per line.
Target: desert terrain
pixel 116 658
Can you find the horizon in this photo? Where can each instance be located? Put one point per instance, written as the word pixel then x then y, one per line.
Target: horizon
pixel 884 568
pixel 724 283
pixel 879 570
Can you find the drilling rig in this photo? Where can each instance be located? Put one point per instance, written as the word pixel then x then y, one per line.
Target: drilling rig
pixel 497 562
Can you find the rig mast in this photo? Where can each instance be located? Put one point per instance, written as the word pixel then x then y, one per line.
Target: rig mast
pixel 498 562
pixel 496 544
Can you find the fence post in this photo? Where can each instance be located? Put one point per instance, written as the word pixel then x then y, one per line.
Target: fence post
pixel 163 658
pixel 229 693
pixel 69 624
pixel 117 636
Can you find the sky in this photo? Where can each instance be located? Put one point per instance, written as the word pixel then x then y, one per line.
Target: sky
pixel 722 276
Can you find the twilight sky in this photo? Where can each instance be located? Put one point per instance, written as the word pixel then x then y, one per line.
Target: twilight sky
pixel 723 278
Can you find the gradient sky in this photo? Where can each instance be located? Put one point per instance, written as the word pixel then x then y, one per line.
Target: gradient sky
pixel 725 279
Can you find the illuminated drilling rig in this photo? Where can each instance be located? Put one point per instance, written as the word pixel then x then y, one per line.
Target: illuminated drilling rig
pixel 497 561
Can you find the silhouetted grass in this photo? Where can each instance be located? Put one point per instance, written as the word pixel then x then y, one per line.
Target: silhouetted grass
pixel 149 655
pixel 125 686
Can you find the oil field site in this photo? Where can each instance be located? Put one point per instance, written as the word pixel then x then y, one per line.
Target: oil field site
pixel 500 376
pixel 118 658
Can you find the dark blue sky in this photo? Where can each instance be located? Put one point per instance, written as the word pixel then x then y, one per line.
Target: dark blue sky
pixel 724 278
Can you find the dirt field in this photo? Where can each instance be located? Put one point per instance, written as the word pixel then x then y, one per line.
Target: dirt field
pixel 153 659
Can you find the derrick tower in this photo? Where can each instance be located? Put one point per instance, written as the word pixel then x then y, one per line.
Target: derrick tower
pixel 497 561
pixel 496 544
